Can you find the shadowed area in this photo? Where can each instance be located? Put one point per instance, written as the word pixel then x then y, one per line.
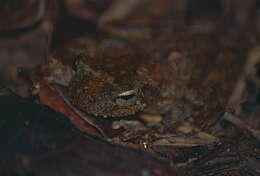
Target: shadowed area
pixel 39 141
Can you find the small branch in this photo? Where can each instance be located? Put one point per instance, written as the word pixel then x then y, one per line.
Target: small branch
pixel 241 124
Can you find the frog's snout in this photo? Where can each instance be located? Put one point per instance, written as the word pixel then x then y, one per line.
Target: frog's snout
pixel 127 98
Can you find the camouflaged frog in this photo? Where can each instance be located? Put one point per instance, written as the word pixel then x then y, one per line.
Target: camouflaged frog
pixel 106 82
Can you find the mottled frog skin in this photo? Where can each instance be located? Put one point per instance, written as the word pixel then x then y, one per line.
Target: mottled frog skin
pixel 107 82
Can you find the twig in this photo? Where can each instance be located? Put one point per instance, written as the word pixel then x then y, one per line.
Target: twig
pixel 241 124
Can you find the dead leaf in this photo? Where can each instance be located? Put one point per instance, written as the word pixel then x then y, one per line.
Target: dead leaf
pixel 49 96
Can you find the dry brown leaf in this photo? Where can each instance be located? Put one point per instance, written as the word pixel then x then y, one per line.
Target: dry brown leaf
pixel 49 96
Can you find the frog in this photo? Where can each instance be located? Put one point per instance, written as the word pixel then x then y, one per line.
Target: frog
pixel 106 82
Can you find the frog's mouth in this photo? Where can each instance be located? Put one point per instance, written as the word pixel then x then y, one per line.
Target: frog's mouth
pixel 127 98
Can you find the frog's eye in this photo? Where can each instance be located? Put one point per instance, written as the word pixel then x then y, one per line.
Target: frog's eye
pixel 127 98
pixel 127 93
